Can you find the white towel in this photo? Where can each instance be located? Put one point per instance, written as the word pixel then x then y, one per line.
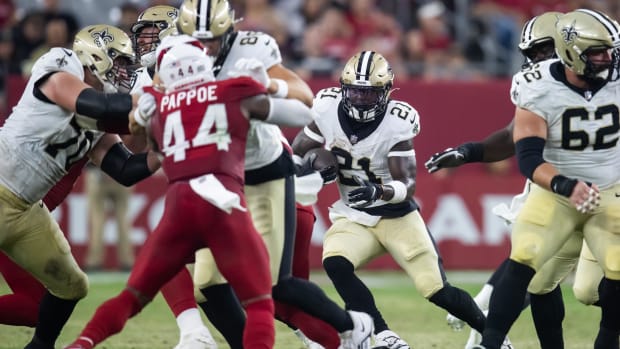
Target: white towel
pixel 212 190
pixel 307 188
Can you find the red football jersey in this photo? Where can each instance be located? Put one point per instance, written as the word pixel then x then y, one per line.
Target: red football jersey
pixel 61 190
pixel 202 130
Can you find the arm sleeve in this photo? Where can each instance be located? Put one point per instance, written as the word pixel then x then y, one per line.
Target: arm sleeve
pixel 125 167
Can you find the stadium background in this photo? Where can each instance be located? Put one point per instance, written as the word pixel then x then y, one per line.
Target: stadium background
pixel 453 61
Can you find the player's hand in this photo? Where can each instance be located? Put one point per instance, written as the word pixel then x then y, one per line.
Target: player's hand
pixel 306 167
pixel 585 197
pixel 366 195
pixel 451 157
pixel 329 174
pixel 253 68
pixel 145 109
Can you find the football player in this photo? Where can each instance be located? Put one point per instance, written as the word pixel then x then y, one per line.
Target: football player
pixel 536 46
pixel 151 27
pixel 205 199
pixel 372 137
pixel 576 127
pixel 269 174
pixel 53 126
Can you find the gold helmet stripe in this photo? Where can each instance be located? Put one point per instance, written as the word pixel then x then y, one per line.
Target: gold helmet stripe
pixel 607 23
pixel 363 65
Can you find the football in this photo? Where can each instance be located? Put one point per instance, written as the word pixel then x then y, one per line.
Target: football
pixel 324 158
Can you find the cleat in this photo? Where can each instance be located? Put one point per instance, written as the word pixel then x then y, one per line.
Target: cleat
pixel 197 339
pixel 308 343
pixel 475 338
pixel 389 340
pixel 455 323
pixel 359 336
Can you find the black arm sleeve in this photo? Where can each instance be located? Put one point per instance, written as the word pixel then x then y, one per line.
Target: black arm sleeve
pixel 530 155
pixel 111 110
pixel 124 166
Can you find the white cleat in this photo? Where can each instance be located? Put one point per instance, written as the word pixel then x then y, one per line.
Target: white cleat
pixel 455 323
pixel 197 339
pixel 389 340
pixel 308 343
pixel 475 338
pixel 359 337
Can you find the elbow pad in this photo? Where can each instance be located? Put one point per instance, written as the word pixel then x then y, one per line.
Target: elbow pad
pixel 109 110
pixel 529 152
pixel 125 167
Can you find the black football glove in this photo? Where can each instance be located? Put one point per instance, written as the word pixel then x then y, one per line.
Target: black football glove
pixel 329 174
pixel 306 167
pixel 366 195
pixel 448 158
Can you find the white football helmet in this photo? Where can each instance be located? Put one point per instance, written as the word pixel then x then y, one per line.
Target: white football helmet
pixel 184 66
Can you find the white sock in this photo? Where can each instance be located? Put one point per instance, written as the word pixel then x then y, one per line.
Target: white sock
pixel 189 320
pixel 483 297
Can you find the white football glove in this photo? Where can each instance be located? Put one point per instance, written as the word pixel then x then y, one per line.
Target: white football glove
pixel 146 108
pixel 593 201
pixel 251 67
pixel 451 157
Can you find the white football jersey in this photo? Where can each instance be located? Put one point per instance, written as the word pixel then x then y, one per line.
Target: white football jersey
pixel 366 158
pixel 264 143
pixel 143 78
pixel 40 140
pixel 582 129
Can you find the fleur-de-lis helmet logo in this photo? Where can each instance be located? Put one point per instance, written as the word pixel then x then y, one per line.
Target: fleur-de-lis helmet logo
pixel 569 33
pixel 102 38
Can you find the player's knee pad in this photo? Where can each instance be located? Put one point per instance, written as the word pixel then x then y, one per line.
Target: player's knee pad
pixel 526 248
pixel 586 294
pixel 337 266
pixel 77 288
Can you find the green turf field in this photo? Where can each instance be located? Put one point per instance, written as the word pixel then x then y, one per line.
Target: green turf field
pixel 416 320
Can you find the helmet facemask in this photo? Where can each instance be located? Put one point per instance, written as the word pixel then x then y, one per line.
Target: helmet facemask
pixel 122 76
pixel 598 70
pixel 540 51
pixel 365 103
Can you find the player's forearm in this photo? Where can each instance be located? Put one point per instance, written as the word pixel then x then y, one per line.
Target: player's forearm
pixel 498 146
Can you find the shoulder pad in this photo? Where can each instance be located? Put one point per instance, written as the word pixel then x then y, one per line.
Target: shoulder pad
pixel 404 117
pixel 58 59
pixel 257 45
pixel 326 101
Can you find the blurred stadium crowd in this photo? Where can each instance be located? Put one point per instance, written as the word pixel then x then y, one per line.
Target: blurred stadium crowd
pixel 426 39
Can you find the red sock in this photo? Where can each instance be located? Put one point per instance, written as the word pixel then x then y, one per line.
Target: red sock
pixel 259 332
pixel 179 293
pixel 18 310
pixel 315 329
pixel 110 317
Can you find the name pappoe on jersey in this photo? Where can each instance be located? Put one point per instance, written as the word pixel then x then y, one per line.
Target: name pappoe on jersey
pixel 200 95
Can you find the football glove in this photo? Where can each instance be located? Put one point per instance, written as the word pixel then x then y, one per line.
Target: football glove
pixel 253 68
pixel 450 157
pixel 145 109
pixel 305 168
pixel 366 195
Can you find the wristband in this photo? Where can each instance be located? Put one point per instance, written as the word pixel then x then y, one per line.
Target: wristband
pixel 400 191
pixel 472 152
pixel 282 90
pixel 563 185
